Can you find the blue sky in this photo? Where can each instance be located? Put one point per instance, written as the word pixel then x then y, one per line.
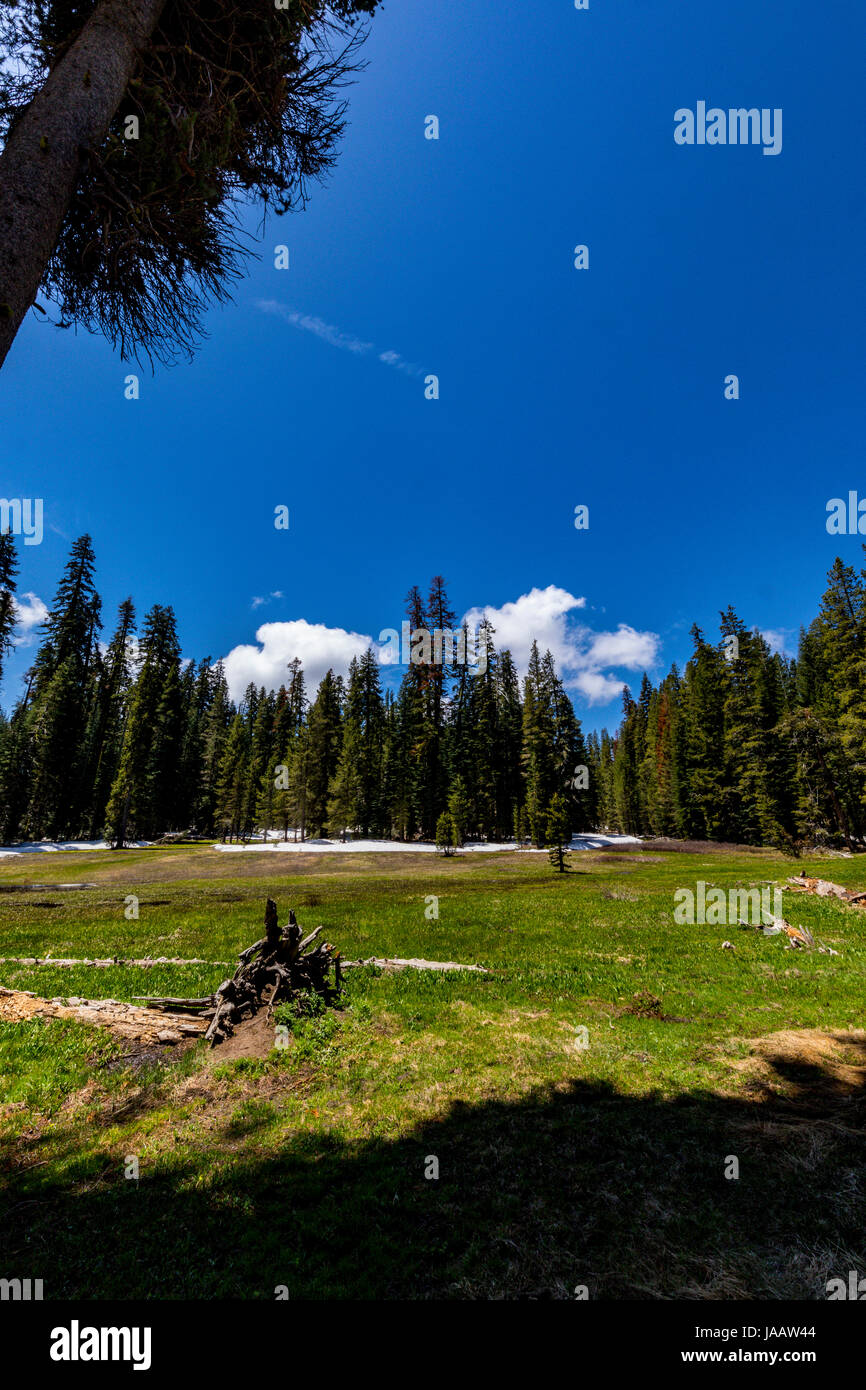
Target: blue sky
pixel 557 387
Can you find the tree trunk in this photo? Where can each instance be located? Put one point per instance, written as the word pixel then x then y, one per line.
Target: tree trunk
pixel 121 834
pixel 42 160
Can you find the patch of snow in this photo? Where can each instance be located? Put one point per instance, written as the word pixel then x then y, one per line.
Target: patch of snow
pixel 599 841
pixel 55 846
pixel 319 846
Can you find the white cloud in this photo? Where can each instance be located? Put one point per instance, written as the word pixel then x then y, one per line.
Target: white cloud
pixel 310 323
pixel 778 639
pixel 393 359
pixel 586 660
pixel 625 647
pixel 581 655
pixel 597 688
pixel 539 615
pixel 30 611
pixel 318 648
pixel 259 602
pixel 329 333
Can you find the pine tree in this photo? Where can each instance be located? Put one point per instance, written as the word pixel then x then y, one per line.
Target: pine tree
pixel 233 781
pixel 568 749
pixel 141 802
pixel 558 822
pixel 521 825
pixel 703 697
pixel 16 771
pixel 459 810
pixel 194 806
pixel 484 769
pixel 391 761
pixel 626 763
pixel 827 792
pixel 757 769
pixel 356 790
pixel 163 787
pixel 441 618
pixel 326 738
pixel 104 739
pixel 296 697
pixel 274 807
pixel 538 731
pixel 509 727
pixel 65 676
pixel 841 633
pixel 299 765
pixel 216 722
pixel 447 838
pixel 658 772
pixel 261 744
pixel 418 736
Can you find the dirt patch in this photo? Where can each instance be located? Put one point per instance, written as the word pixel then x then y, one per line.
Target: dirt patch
pixel 806 1065
pixel 696 847
pixel 45 887
pixel 255 1037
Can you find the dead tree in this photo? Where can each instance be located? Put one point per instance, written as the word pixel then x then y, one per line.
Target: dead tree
pixel 277 968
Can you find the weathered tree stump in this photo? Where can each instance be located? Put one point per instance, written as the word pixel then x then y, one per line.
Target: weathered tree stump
pixel 277 968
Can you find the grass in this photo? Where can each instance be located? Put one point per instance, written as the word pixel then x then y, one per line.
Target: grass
pixel 559 1164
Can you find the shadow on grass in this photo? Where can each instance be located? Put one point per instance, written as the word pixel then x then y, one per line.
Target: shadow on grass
pixel 574 1185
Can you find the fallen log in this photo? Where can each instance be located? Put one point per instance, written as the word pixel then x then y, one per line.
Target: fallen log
pixel 125 1021
pixel 797 937
pixel 823 888
pixel 68 962
pixel 166 1005
pixel 413 963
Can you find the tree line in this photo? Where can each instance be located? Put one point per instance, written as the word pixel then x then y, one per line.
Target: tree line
pixel 129 741
pixel 126 740
pixel 747 745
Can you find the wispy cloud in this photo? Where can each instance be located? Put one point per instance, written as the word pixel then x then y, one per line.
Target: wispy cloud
pixel 335 337
pixel 393 359
pixel 260 602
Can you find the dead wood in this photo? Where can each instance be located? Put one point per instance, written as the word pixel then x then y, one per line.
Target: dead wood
pixel 274 969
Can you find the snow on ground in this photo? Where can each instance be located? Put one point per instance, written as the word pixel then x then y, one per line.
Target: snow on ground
pixel 412 847
pixel 275 842
pixel 54 846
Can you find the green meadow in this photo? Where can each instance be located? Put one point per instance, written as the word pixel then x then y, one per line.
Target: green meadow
pixel 565 1121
